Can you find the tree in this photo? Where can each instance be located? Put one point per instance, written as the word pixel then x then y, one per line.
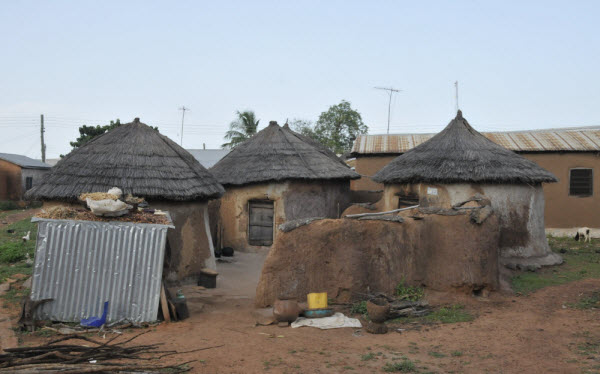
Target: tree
pixel 304 127
pixel 336 129
pixel 241 129
pixel 87 133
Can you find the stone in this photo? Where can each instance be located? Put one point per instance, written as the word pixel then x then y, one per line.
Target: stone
pixel 376 328
pixel 283 324
pixel 264 316
pixel 27 283
pixel 4 287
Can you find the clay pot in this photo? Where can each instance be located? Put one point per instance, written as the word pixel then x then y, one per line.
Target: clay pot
pixel 378 310
pixel 286 310
pixel 376 328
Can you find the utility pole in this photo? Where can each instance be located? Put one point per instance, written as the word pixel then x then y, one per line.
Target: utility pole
pixel 42 136
pixel 391 92
pixel 456 93
pixel 183 109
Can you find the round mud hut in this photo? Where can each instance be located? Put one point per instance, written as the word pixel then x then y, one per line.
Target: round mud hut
pixel 460 163
pixel 140 161
pixel 274 177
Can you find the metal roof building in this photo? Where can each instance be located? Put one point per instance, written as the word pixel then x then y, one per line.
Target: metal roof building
pixel 24 161
pixel 577 139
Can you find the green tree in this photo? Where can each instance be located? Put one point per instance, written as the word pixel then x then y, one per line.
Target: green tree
pixel 241 129
pixel 87 133
pixel 338 127
pixel 304 127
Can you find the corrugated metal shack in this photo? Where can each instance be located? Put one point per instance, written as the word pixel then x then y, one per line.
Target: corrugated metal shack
pixel 82 264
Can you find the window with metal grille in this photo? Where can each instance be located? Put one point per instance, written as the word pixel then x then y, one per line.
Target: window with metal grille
pixel 28 183
pixel 581 182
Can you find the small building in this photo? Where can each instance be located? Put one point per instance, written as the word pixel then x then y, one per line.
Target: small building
pixel 19 174
pixel 460 163
pixel 571 154
pixel 276 176
pixel 142 162
pixel 208 157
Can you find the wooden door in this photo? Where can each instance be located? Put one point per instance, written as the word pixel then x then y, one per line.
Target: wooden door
pixel 260 226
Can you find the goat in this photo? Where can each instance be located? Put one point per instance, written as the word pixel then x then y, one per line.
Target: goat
pixel 583 233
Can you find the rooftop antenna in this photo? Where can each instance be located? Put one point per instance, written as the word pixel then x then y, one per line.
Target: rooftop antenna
pixel 390 92
pixel 183 109
pixel 456 93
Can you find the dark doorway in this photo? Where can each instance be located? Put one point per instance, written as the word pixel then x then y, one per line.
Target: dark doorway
pixel 260 226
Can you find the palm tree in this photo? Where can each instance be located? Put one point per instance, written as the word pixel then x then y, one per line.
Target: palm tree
pixel 241 129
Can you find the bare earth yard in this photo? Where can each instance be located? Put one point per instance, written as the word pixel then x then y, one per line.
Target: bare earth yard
pixel 552 325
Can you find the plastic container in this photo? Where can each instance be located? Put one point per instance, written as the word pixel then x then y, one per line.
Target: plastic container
pixel 317 300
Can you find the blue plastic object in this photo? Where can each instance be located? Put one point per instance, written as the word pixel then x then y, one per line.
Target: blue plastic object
pixel 318 313
pixel 96 321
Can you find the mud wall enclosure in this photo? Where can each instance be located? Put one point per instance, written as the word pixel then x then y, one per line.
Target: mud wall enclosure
pixel 346 257
pixel 520 211
pixel 291 200
pixel 189 245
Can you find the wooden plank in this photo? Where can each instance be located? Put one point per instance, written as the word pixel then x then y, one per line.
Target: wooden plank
pixel 164 304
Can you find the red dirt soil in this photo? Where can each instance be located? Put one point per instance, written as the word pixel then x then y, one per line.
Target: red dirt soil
pixel 527 334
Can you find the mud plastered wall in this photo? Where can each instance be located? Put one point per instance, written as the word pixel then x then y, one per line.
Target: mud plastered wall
pixel 346 257
pixel 291 200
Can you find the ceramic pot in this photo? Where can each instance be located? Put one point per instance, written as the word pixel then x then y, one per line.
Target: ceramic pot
pixel 378 310
pixel 286 310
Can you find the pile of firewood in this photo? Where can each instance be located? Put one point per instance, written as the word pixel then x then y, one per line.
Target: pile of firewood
pixel 62 356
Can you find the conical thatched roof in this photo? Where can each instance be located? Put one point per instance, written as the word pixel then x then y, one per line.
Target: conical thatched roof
pixel 135 158
pixel 460 154
pixel 278 153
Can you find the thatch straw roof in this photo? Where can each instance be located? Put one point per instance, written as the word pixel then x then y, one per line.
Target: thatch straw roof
pixel 135 158
pixel 460 154
pixel 276 154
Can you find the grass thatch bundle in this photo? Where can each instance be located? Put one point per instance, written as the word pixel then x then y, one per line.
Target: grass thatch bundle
pixel 460 154
pixel 276 154
pixel 137 159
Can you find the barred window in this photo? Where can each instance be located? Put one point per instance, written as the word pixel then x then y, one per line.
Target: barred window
pixel 581 182
pixel 28 183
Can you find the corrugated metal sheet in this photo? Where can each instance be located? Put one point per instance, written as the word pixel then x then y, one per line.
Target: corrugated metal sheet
pixel 552 140
pixel 81 264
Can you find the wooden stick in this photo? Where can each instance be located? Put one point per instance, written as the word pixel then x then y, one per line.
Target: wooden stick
pixel 164 305
pixel 380 213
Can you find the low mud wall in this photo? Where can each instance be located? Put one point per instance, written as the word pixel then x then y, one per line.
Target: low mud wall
pixel 347 258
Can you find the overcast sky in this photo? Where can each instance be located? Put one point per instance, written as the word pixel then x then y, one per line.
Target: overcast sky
pixel 520 65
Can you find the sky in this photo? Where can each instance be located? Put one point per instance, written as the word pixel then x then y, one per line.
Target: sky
pixel 520 65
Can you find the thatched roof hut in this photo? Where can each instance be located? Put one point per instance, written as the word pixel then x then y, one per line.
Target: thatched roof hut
pixel 135 158
pixel 460 154
pixel 459 163
pixel 142 162
pixel 277 176
pixel 276 154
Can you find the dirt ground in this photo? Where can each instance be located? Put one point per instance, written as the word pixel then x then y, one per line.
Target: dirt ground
pixel 538 333
pixel 14 217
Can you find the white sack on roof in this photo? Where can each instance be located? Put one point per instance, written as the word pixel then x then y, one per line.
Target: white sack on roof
pixel 108 207
pixel 116 191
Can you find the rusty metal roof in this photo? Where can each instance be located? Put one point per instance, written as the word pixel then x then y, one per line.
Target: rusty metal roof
pixel 581 139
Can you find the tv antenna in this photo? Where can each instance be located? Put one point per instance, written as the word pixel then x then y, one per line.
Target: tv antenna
pixel 390 92
pixel 183 109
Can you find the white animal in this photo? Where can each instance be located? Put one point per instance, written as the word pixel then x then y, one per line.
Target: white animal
pixel 26 237
pixel 583 233
pixel 28 259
